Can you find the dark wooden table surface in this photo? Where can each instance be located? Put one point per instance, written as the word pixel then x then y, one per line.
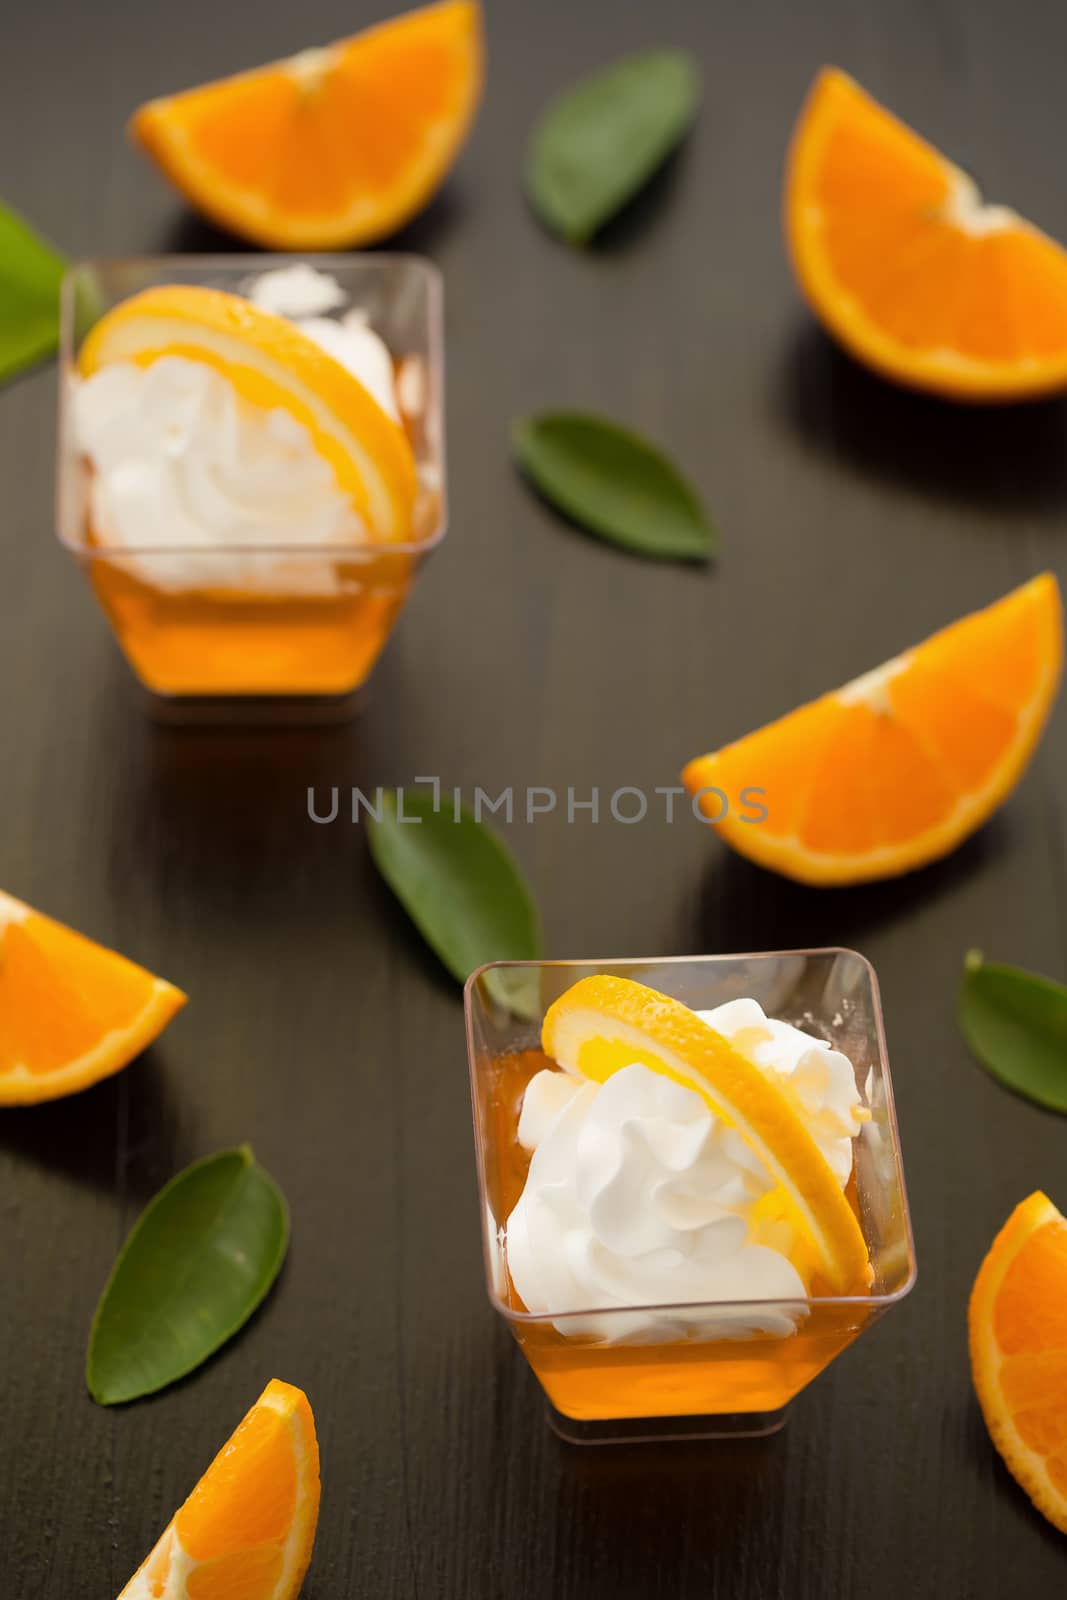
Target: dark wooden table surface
pixel 855 520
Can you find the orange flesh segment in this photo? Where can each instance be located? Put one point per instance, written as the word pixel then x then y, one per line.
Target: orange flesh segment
pixel 71 1011
pixel 239 125
pixel 899 767
pixel 1018 1343
pixel 334 147
pixel 901 261
pixel 248 1575
pixel 1031 1308
pixel 247 1495
pixel 47 1013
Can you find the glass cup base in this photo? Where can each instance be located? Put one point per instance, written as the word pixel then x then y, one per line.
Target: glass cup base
pixel 281 710
pixel 289 612
pixel 661 1430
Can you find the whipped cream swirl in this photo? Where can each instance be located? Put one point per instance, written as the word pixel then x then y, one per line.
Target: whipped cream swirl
pixel 180 462
pixel 637 1195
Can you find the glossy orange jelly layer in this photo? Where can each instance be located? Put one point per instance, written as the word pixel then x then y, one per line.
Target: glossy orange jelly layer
pixel 598 1382
pixel 224 642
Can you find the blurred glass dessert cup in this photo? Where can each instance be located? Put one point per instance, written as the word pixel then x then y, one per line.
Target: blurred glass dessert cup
pixel 691 1184
pixel 201 484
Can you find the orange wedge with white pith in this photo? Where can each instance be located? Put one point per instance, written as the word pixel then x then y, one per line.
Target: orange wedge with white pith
pixel 603 1024
pixel 71 1012
pixel 901 765
pixel 247 1530
pixel 1017 1326
pixel 335 147
pixel 905 265
pixel 272 364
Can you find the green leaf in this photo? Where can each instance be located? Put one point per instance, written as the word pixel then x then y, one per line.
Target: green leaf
pixel 1016 1024
pixel 199 1261
pixel 615 484
pixel 462 889
pixel 601 141
pixel 30 275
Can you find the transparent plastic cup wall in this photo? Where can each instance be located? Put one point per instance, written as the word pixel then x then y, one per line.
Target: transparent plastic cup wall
pixel 215 639
pixel 705 1384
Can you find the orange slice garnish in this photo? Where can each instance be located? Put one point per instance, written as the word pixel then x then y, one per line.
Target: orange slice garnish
pixel 1018 1340
pixel 603 1024
pixel 247 1530
pixel 900 766
pixel 334 147
pixel 272 364
pixel 71 1012
pixel 903 263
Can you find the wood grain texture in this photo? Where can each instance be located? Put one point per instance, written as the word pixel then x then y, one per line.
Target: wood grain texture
pixel 855 520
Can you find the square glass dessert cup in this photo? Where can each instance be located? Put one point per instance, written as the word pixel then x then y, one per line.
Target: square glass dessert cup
pixel 734 1371
pixel 260 623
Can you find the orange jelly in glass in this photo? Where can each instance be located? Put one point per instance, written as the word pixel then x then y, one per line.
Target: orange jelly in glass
pixel 208 640
pixel 262 619
pixel 718 1371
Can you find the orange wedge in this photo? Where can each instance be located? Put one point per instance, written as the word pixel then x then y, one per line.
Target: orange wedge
pixel 1018 1339
pixel 603 1024
pixel 272 364
pixel 900 766
pixel 247 1530
pixel 334 147
pixel 905 265
pixel 71 1012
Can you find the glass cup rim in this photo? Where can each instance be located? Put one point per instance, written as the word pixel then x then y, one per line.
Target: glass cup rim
pixel 234 261
pixel 231 260
pixel 878 1302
